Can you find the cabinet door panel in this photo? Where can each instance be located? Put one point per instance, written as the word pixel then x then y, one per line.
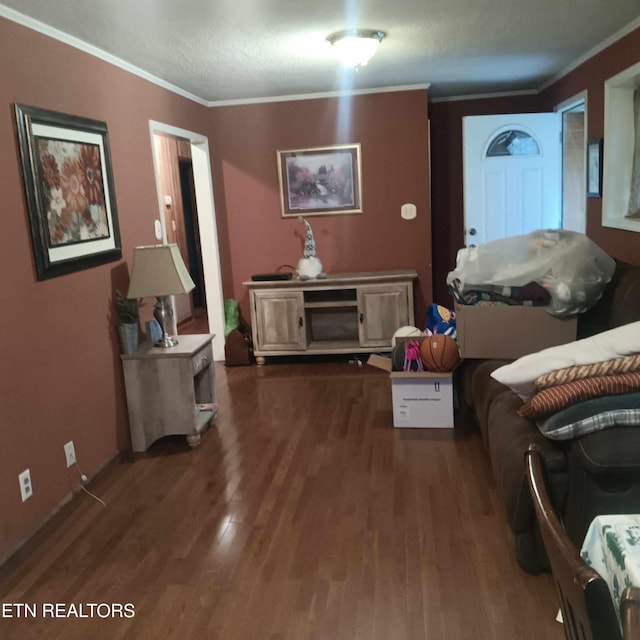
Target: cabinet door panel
pixel 382 309
pixel 280 317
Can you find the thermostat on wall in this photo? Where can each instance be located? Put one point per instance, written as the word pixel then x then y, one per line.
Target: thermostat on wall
pixel 408 211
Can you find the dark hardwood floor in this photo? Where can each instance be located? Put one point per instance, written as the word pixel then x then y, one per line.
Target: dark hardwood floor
pixel 302 515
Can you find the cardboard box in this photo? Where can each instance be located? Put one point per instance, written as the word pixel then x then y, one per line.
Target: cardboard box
pixel 421 400
pixel 509 332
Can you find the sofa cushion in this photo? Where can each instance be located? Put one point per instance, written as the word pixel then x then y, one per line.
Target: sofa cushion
pixel 480 389
pixel 604 477
pixel 592 415
pixel 610 452
pixel 509 438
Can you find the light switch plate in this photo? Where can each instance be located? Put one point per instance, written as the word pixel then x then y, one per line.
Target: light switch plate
pixel 70 453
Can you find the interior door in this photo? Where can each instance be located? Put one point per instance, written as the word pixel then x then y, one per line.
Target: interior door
pixel 512 175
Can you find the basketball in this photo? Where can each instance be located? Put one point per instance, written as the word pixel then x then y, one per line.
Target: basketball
pixel 439 352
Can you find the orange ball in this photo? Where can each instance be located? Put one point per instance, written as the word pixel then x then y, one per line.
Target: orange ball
pixel 439 352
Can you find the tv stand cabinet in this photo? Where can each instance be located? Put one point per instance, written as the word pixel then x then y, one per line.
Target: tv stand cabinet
pixel 342 313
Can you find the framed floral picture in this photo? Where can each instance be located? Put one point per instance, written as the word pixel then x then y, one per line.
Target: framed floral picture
pixel 320 181
pixel 66 165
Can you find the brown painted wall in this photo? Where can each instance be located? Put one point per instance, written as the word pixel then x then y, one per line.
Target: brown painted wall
pixel 60 374
pixel 392 129
pixel 591 76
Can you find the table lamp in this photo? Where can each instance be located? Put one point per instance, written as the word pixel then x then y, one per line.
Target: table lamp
pixel 159 270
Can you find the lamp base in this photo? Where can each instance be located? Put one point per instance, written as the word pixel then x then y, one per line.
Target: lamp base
pixel 165 342
pixel 163 313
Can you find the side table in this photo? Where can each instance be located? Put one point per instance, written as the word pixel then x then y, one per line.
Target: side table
pixel 170 391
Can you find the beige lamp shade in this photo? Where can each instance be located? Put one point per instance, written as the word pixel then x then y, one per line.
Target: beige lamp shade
pixel 158 270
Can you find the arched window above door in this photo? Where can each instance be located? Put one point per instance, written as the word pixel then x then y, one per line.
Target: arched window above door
pixel 513 142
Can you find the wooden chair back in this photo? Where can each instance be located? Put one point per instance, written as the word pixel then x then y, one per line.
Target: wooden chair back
pixel 630 613
pixel 587 607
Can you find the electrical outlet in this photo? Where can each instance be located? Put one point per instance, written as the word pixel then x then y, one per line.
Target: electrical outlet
pixel 70 453
pixel 26 488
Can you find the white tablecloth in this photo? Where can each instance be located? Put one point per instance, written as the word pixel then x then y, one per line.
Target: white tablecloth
pixel 612 548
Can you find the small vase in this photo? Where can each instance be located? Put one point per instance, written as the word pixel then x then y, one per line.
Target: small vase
pixel 128 337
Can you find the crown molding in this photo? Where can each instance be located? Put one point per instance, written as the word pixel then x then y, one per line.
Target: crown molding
pixel 482 96
pixel 319 95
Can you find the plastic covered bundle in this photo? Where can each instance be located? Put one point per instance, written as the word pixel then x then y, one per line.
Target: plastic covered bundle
pixel 567 264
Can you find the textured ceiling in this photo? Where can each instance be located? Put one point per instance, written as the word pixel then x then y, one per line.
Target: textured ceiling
pixel 228 50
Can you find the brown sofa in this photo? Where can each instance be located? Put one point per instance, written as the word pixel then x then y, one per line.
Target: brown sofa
pixel 597 473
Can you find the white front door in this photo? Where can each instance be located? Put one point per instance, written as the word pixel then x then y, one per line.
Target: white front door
pixel 512 175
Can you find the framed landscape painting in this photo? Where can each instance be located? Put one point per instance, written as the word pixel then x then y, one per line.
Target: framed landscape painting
pixel 66 165
pixel 320 181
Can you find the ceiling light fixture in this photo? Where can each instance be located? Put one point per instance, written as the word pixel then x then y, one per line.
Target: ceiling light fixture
pixel 355 47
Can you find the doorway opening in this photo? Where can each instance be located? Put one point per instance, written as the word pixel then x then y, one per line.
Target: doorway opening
pixel 192 236
pixel 187 218
pixel 574 141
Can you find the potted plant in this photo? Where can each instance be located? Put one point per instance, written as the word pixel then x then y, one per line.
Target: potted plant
pixel 128 311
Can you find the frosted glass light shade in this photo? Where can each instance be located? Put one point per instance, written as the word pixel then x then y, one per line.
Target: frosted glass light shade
pixel 355 47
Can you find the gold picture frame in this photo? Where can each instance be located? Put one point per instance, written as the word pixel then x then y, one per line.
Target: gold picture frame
pixel 320 181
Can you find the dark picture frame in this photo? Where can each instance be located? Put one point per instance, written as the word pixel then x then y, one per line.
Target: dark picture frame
pixel 320 181
pixel 68 179
pixel 594 168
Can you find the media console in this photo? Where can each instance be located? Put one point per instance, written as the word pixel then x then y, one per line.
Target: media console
pixel 342 313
